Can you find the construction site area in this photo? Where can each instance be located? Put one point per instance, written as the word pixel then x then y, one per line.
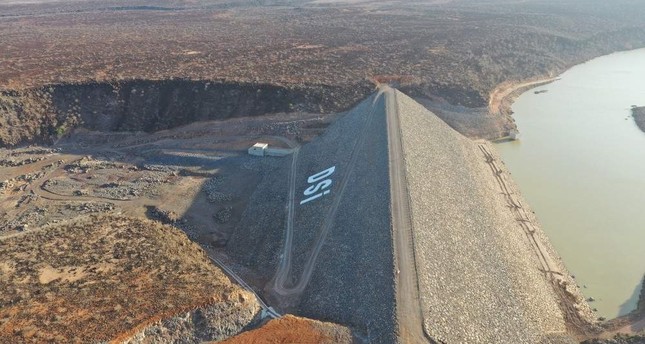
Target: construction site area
pixel 382 219
pixel 207 201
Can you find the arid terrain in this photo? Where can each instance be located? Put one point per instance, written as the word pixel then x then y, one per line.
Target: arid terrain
pixel 131 212
pixel 453 51
pixel 97 202
pixel 101 278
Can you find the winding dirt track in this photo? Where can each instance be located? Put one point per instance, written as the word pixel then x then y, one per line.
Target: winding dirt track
pixel 284 268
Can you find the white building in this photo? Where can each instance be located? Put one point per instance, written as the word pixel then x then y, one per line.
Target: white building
pixel 258 149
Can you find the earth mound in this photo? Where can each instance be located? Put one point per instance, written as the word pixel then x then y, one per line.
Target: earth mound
pixel 291 329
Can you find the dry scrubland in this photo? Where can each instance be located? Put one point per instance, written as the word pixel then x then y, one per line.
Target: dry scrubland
pixel 104 277
pixel 164 63
pixel 149 281
pixel 457 51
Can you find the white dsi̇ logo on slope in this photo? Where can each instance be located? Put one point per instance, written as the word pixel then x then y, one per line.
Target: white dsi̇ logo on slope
pixel 321 182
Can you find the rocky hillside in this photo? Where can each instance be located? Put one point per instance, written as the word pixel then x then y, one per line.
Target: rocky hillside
pixel 102 278
pixel 46 113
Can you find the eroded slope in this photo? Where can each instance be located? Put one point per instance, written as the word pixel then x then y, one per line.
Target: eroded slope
pixel 45 114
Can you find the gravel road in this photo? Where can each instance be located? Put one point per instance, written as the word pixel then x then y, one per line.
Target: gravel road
pixel 408 308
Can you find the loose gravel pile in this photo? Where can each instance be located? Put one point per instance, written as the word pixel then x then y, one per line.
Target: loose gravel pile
pixel 53 213
pixel 478 273
pixel 109 180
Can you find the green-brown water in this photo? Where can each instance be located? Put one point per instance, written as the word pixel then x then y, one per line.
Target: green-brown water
pixel 580 163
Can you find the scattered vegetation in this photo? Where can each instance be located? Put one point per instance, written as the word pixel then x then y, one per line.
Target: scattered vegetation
pixel 309 57
pixel 459 50
pixel 106 277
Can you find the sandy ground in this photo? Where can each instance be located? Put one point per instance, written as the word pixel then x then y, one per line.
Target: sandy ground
pixel 503 95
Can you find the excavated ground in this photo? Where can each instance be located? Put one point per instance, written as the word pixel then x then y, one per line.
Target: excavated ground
pixel 198 178
pixel 290 329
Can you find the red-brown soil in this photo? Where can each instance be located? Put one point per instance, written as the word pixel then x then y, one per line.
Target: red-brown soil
pixel 290 329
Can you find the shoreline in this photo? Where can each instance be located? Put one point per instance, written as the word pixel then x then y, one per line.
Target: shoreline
pixel 631 325
pixel 480 278
pixel 498 102
pixel 579 317
pixel 504 95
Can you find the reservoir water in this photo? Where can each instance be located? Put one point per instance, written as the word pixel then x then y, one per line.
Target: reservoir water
pixel 580 163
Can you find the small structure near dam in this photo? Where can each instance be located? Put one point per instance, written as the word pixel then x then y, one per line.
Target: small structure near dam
pixel 258 149
pixel 263 149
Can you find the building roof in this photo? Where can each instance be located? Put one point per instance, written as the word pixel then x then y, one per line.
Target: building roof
pixel 261 145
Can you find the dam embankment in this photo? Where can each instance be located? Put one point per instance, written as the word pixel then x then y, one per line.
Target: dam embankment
pixel 487 272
